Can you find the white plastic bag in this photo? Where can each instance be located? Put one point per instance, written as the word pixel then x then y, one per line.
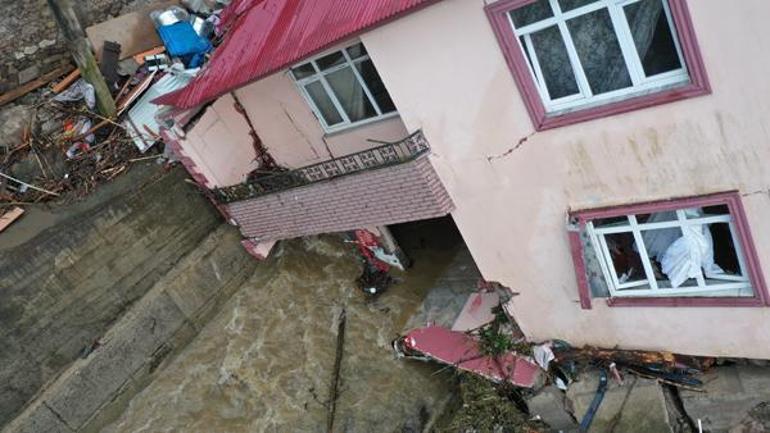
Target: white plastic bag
pixel 688 254
pixel 80 90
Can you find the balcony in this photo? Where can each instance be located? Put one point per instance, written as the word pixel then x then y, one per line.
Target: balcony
pixel 386 155
pixel 388 184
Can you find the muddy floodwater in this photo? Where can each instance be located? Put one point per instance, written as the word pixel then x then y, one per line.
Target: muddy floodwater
pixel 264 363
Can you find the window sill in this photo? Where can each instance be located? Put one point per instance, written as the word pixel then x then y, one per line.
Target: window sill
pixel 331 132
pixel 686 302
pixel 545 121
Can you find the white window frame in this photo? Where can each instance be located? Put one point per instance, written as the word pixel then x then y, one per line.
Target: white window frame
pixel 732 285
pixel 641 84
pixel 320 76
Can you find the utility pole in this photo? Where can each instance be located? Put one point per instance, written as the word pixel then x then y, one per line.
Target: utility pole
pixel 76 40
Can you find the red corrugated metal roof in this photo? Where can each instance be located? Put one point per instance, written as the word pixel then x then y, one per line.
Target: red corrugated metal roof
pixel 266 36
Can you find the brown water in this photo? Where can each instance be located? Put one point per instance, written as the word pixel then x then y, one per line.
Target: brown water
pixel 264 363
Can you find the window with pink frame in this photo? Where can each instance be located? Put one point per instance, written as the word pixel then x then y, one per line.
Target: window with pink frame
pixel 686 252
pixel 576 60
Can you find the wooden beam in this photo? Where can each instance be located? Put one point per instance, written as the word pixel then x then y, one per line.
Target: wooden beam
pixel 66 81
pixel 81 52
pixel 9 217
pixel 32 85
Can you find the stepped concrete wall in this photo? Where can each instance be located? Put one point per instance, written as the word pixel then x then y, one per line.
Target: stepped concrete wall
pixel 64 287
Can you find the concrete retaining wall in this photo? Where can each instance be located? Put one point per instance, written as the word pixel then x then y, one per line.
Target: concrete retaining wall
pixel 63 288
pixel 95 390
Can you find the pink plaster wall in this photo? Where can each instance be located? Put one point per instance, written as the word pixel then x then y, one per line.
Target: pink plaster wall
pixel 220 145
pixel 513 186
pixel 291 132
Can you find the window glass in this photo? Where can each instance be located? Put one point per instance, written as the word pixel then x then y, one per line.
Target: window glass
pixel 323 103
pixel 531 13
pixel 357 51
pixel 660 255
pixel 331 60
pixel 554 63
pixel 587 55
pixel 656 217
pixel 625 259
pixel 652 37
pixel 599 52
pixel 568 5
pixel 344 87
pixel 611 222
pixel 523 43
pixel 303 71
pixel 375 85
pixel 725 253
pixel 351 95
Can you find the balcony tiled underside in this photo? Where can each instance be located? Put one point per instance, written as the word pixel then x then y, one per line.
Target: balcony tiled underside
pixel 407 192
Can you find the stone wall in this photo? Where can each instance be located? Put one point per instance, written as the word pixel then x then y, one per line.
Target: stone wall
pixel 30 44
pixel 63 288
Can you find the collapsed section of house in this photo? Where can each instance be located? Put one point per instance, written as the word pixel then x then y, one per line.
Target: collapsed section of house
pixel 564 388
pixel 312 148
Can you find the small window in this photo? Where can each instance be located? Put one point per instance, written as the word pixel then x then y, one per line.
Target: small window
pixel 574 55
pixel 686 251
pixel 343 88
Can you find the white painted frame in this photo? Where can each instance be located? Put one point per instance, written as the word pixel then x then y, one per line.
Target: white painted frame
pixel 728 285
pixel 641 83
pixel 320 76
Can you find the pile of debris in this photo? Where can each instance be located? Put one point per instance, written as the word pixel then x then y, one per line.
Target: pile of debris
pixel 56 143
pixel 564 387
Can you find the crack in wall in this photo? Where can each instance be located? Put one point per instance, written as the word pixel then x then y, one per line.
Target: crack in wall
pixel 512 149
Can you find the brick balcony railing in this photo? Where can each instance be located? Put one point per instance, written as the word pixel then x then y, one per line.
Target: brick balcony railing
pixel 386 155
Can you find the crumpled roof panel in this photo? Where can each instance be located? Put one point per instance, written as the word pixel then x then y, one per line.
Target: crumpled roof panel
pixel 265 36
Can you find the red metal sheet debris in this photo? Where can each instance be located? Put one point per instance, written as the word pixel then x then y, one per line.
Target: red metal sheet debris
pixel 265 36
pixel 461 350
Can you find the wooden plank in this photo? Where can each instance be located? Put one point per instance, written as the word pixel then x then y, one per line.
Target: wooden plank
pixel 66 81
pixel 9 217
pixel 135 31
pixel 135 92
pixel 33 85
pixel 139 58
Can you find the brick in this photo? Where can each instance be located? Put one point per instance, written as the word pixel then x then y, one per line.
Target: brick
pixel 407 192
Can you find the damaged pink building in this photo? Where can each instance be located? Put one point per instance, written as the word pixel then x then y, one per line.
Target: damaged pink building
pixel 605 159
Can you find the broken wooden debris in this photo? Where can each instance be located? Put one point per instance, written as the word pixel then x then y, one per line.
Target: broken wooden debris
pixel 33 85
pixel 66 81
pixel 9 217
pixel 67 20
pixel 335 382
pixel 27 185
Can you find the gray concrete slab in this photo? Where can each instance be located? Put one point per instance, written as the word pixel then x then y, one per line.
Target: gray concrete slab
pixel 637 406
pixel 730 394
